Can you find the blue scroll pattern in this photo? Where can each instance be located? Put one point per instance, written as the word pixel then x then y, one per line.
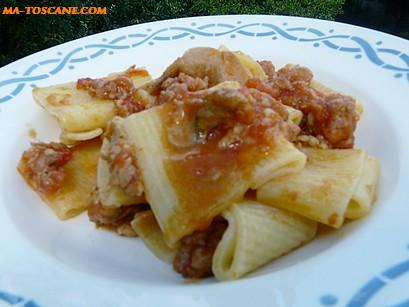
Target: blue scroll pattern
pixel 361 48
pixel 367 293
pixel 374 53
pixel 16 300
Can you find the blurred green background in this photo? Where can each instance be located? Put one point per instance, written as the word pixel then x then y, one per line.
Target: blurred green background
pixel 21 35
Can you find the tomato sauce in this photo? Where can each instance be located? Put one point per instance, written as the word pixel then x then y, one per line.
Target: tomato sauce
pixel 215 163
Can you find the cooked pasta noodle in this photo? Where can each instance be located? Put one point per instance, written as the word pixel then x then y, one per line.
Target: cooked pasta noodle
pixel 220 165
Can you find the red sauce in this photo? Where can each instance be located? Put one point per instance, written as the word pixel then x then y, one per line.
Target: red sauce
pixel 214 141
pixel 268 68
pixel 133 71
pixel 332 117
pixel 112 217
pixel 43 166
pixel 123 165
pixel 195 253
pixel 121 90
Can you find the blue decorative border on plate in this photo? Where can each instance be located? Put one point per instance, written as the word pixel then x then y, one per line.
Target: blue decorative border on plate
pixel 366 293
pixel 327 38
pixel 16 300
pixel 362 48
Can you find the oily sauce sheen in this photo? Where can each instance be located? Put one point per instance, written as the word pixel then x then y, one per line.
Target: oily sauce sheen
pixel 218 158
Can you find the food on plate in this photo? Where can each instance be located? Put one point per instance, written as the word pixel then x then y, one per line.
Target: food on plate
pixel 84 108
pixel 248 235
pixel 63 176
pixel 228 146
pixel 119 177
pixel 334 184
pixel 219 165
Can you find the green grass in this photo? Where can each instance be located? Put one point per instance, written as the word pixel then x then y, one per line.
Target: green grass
pixel 24 34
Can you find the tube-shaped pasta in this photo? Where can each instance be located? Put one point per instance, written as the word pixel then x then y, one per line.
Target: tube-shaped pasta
pixel 79 114
pixel 285 159
pixel 75 110
pixel 256 235
pixel 365 192
pixel 180 208
pixel 254 68
pixel 148 230
pixel 75 137
pixel 112 195
pixel 323 190
pixel 72 197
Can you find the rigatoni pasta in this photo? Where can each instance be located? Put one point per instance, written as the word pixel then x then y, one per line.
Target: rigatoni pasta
pixel 74 169
pixel 255 235
pixel 365 192
pixel 220 165
pixel 80 115
pixel 178 204
pixel 75 110
pixel 146 226
pixel 332 181
pixel 111 191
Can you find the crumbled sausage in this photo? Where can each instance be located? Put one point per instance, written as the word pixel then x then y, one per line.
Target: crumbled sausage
pixel 123 166
pixel 117 219
pixel 237 116
pixel 43 166
pixel 195 254
pixel 124 170
pixel 268 68
pixel 331 116
pixel 177 88
pixel 121 90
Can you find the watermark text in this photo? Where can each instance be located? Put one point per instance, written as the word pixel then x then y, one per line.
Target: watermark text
pixel 54 10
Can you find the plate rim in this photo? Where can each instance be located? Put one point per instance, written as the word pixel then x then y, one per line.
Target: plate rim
pixel 64 45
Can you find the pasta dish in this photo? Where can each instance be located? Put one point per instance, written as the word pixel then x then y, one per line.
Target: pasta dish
pixel 220 165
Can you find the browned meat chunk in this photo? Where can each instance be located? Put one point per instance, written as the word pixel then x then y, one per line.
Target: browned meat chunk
pixel 43 166
pixel 195 254
pixel 121 90
pixel 331 117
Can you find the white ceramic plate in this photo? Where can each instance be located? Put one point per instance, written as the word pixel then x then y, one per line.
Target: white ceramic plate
pixel 45 262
